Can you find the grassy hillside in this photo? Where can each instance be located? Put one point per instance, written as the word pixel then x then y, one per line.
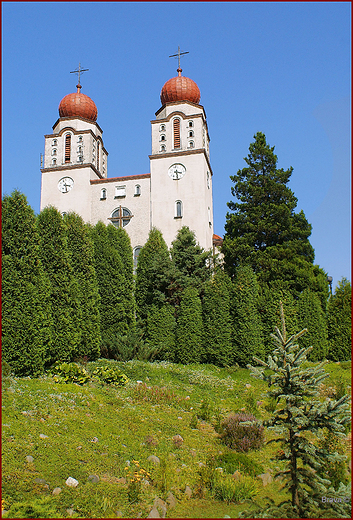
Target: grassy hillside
pixel 101 434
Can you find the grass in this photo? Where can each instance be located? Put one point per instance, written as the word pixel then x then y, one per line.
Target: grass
pixel 100 430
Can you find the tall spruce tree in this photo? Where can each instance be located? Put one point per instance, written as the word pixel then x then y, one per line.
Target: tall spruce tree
pixel 339 320
pixel 115 298
pixel 312 318
pixel 301 415
pixel 81 251
pixel 188 345
pixel 247 327
pixel 217 326
pixel 65 304
pixel 26 309
pixel 262 229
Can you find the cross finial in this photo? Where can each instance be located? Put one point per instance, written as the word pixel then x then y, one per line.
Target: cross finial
pixel 177 55
pixel 78 71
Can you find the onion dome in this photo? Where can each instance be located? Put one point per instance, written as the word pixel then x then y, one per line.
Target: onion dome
pixel 180 88
pixel 78 105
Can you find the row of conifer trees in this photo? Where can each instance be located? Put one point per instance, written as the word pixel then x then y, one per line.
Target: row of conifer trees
pixel 69 292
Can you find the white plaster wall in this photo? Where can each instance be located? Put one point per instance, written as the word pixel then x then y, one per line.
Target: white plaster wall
pixel 139 226
pixel 191 190
pixel 78 199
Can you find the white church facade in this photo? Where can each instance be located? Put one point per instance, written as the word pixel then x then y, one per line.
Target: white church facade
pixel 178 190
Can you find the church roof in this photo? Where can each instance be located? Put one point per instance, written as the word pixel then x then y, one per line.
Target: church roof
pixel 180 88
pixel 78 105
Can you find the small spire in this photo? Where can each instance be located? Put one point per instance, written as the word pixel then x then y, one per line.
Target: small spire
pixel 179 70
pixel 78 71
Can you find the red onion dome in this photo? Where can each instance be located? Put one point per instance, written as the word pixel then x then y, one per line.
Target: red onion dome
pixel 78 105
pixel 180 88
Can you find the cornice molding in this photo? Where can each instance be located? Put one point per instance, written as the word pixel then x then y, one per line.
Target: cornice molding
pixel 182 153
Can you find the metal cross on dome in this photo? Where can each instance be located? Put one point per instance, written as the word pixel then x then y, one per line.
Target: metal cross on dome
pixel 178 55
pixel 78 71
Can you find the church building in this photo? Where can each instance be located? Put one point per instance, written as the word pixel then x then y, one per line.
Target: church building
pixel 178 190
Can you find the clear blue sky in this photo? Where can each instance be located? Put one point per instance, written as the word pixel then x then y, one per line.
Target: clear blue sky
pixel 282 68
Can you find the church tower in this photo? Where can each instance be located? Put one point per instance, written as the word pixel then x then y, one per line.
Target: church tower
pixel 74 156
pixel 181 174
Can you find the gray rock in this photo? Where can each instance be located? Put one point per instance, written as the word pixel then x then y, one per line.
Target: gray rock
pixel 95 439
pixel 42 436
pixel 29 458
pixel 119 514
pixel 71 482
pixel 236 475
pixel 57 491
pixel 266 478
pixel 121 480
pixel 93 478
pixel 154 459
pixel 171 500
pixel 153 513
pixel 40 481
pixel 178 440
pixel 70 511
pixel 188 491
pixel 161 507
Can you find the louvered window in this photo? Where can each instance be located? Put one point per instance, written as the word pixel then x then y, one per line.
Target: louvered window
pixel 176 128
pixel 98 156
pixel 67 148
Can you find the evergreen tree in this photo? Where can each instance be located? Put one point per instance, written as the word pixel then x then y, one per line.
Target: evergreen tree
pixel 160 331
pixel 263 230
pixel 120 240
pixel 191 264
pixel 339 316
pixel 269 309
pixel 188 346
pixel 312 318
pixel 26 317
pixel 217 327
pixel 115 298
pixel 247 327
pixel 152 274
pixel 81 250
pixel 65 304
pixel 300 415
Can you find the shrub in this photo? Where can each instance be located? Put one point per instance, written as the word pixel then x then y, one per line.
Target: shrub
pixel 69 373
pixel 36 508
pixel 241 432
pixel 6 368
pixel 334 470
pixel 228 489
pixel 110 375
pixel 231 462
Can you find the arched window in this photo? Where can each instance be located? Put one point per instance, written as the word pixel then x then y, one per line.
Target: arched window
pixel 208 180
pixel 162 128
pixel 79 139
pixel 191 133
pixel 137 190
pixel 178 209
pixel 55 142
pixel 176 130
pixel 191 124
pixel 98 155
pixel 103 194
pixel 162 149
pixel 121 217
pixel 136 255
pixel 54 162
pixel 68 148
pixel 162 138
pixel 53 152
pixel 191 144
